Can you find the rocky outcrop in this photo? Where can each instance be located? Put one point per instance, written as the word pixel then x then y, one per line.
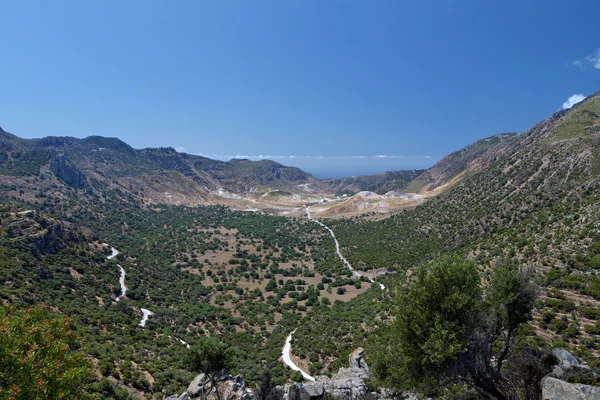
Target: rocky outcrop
pixel 555 389
pixel 229 387
pixel 568 366
pixel 347 384
pixel 66 171
pixel 345 389
pixel 358 367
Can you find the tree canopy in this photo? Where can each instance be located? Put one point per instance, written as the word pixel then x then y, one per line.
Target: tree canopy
pixel 210 357
pixel 451 326
pixel 38 356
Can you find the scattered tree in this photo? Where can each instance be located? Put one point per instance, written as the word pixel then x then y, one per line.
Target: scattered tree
pixel 450 328
pixel 211 358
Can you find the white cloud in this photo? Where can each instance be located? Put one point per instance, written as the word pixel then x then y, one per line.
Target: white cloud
pixel 180 149
pixel 591 60
pixel 226 157
pixel 571 101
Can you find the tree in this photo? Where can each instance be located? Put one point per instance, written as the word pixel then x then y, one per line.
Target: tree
pixel 211 358
pixel 451 328
pixel 38 356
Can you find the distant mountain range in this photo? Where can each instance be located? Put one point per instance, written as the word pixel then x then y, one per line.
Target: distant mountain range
pixel 95 164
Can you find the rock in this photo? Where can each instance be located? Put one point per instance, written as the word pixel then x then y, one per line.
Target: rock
pixel 66 171
pixel 345 389
pixel 198 385
pixel 312 390
pixel 555 389
pixel 358 367
pixel 347 384
pixel 567 365
pixel 230 388
pixel 352 388
pixel 357 361
pixel 564 357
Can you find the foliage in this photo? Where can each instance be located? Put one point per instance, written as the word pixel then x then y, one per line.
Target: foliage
pixel 211 358
pixel 39 357
pixel 448 327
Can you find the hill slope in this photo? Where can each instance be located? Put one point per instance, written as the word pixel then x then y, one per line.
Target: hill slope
pixel 536 202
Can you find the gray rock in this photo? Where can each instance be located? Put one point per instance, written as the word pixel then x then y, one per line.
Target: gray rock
pixel 564 356
pixel 555 389
pixel 230 388
pixel 358 367
pixel 68 172
pixel 198 386
pixel 343 389
pixel 358 362
pixel 567 364
pixel 351 388
pixel 312 390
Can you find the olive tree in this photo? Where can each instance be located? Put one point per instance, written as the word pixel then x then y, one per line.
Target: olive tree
pixel 452 326
pixel 210 357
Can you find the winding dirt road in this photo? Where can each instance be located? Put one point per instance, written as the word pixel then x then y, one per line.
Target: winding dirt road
pixel 285 354
pixel 146 313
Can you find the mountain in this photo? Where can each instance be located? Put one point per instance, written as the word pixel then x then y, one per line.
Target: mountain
pixel 534 201
pixel 475 157
pixel 250 279
pixel 380 183
pixel 95 165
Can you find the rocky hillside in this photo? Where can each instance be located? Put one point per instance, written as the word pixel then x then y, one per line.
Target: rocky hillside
pixel 474 158
pixel 380 183
pixel 55 168
pixel 96 163
pixel 536 202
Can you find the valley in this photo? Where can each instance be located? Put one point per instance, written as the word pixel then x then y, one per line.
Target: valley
pixel 292 272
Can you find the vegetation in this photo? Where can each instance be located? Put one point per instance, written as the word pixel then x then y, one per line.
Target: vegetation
pixel 247 279
pixel 39 356
pixel 210 357
pixel 448 328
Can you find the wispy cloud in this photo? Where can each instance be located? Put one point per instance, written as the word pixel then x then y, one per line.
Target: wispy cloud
pixel 592 60
pixel 180 149
pixel 572 100
pixel 221 156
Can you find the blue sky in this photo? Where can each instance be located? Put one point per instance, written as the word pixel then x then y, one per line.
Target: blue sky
pixel 333 83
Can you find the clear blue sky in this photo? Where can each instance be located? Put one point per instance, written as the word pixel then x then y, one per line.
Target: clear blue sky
pixel 306 78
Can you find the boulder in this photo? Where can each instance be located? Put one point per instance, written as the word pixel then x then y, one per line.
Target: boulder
pixel 230 388
pixel 358 367
pixel 357 361
pixel 344 389
pixel 555 389
pixel 199 385
pixel 567 365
